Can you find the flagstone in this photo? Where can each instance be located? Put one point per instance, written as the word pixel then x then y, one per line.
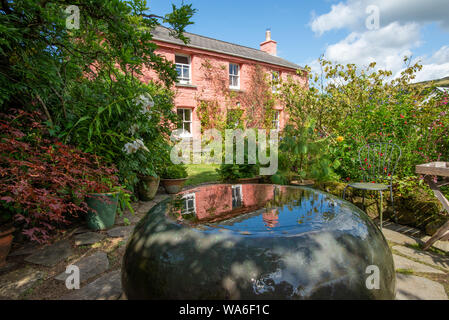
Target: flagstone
pixel 424 256
pixel 399 238
pixel 410 287
pixel 407 264
pixel 52 254
pixel 26 250
pixel 107 287
pixel 88 238
pixel 121 232
pixel 89 266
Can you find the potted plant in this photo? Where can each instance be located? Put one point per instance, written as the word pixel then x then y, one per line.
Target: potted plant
pixel 103 206
pixel 6 230
pixel 148 186
pixel 173 178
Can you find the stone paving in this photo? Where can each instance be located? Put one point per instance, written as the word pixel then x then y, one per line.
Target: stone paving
pixel 100 280
pixel 420 275
pixel 51 255
pixel 410 287
pixel 417 269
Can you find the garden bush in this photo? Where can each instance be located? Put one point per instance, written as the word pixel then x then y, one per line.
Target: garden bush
pixel 43 182
pixel 352 107
pixel 174 171
pixel 87 81
pixel 303 155
pixel 231 172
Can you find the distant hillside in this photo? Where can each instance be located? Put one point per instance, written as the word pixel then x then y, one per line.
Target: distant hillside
pixel 443 82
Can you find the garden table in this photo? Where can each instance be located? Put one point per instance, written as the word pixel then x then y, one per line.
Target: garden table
pixel 439 169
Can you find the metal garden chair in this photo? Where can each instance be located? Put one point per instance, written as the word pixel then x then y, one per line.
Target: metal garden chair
pixel 378 161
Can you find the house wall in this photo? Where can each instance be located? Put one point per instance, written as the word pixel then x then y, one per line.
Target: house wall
pixel 188 96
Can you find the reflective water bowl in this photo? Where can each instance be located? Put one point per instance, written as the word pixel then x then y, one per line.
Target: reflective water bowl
pixel 255 241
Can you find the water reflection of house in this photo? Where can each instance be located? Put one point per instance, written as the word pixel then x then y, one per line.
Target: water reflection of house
pixel 219 201
pixel 271 217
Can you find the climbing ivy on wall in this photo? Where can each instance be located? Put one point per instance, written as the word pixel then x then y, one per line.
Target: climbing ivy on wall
pixel 227 109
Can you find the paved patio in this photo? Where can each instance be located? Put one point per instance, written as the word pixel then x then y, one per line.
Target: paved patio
pixel 39 273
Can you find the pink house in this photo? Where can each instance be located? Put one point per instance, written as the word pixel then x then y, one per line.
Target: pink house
pixel 214 70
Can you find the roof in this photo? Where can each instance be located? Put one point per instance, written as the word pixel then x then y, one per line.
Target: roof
pixel 161 33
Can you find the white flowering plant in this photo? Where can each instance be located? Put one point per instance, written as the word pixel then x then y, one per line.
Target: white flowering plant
pixel 145 150
pixel 130 129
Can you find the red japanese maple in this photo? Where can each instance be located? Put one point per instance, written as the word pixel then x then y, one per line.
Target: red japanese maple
pixel 43 182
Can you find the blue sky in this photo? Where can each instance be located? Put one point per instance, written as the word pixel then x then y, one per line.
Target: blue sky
pixel 306 29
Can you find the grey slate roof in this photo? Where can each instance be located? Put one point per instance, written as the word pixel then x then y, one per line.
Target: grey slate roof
pixel 161 33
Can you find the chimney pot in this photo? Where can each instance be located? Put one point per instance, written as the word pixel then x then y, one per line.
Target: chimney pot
pixel 268 35
pixel 269 46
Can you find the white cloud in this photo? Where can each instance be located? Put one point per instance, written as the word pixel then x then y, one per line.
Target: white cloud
pixel 435 67
pixel 352 14
pixel 397 36
pixel 339 17
pixel 386 46
pixel 432 71
pixel 442 55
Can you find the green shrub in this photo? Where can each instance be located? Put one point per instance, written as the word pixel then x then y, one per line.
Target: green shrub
pixel 174 171
pixel 303 155
pixel 235 171
pixel 354 107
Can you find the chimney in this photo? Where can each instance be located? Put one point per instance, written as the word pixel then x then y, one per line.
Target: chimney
pixel 269 46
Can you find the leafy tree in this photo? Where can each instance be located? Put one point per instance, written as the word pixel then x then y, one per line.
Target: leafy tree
pixel 87 81
pixel 355 106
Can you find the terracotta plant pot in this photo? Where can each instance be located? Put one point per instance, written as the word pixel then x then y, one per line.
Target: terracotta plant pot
pixel 253 180
pixel 148 186
pixel 5 243
pixel 102 210
pixel 173 186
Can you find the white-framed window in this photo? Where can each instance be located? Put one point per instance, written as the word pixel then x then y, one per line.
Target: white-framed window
pixel 276 122
pixel 183 68
pixel 234 76
pixel 189 206
pixel 275 78
pixel 185 117
pixel 237 196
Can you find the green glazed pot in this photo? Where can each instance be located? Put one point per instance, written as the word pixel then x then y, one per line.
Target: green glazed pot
pixel 102 209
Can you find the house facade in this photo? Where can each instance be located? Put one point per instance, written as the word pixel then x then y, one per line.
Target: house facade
pixel 229 75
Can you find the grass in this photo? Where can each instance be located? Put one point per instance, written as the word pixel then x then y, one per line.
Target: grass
pixel 201 173
pixel 405 271
pixel 431 249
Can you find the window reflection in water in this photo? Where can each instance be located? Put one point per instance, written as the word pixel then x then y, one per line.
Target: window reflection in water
pixel 188 205
pixel 236 196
